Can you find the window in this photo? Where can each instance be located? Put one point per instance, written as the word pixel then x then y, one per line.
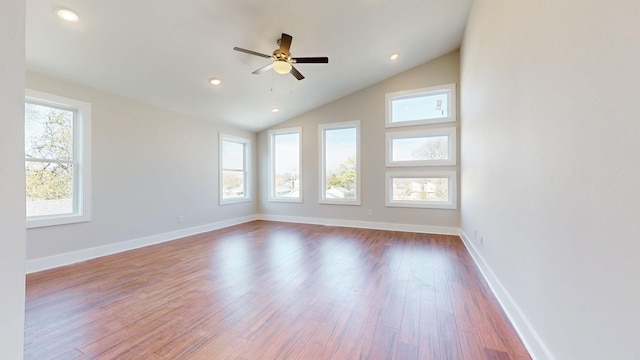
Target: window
pixel 431 147
pixel 57 150
pixel 427 189
pixel 340 163
pixel 421 106
pixel 234 165
pixel 284 162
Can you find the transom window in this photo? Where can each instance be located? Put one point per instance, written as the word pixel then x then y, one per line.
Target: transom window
pixel 421 106
pixel 57 159
pixel 432 147
pixel 425 189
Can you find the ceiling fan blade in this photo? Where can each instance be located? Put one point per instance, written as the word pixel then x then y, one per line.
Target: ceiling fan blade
pixel 296 73
pixel 263 69
pixel 250 52
pixel 310 60
pixel 285 43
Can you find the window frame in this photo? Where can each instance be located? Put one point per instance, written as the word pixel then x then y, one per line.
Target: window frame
pixel 246 168
pixel 322 128
pixel 81 158
pixel 451 203
pixel 449 132
pixel 272 160
pixel 449 89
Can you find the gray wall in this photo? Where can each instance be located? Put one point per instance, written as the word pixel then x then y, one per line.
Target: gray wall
pixel 12 204
pixel 550 167
pixel 149 166
pixel 368 106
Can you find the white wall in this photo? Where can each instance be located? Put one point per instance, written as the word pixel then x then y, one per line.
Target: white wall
pixel 551 166
pixel 149 166
pixel 12 204
pixel 368 106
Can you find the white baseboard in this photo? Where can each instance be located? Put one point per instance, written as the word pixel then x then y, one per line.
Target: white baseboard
pixel 528 335
pixel 443 230
pixel 55 261
pixel 51 262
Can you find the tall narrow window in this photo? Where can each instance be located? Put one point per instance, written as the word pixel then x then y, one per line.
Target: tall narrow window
pixel 57 159
pixel 234 165
pixel 284 171
pixel 340 163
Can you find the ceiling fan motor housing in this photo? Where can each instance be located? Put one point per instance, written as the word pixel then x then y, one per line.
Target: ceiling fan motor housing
pixel 277 55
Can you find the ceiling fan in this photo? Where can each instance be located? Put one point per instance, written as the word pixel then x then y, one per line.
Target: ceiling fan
pixel 282 59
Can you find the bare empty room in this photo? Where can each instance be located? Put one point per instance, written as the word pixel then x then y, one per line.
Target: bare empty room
pixel 358 180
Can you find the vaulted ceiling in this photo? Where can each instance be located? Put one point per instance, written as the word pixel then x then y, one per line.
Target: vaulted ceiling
pixel 165 52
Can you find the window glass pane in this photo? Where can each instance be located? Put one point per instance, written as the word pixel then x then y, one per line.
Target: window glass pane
pixel 57 138
pixel 233 172
pixel 340 163
pixel 49 188
pixel 421 189
pixel 232 155
pixel 286 165
pixel 48 132
pixel 420 148
pixel 232 184
pixel 420 107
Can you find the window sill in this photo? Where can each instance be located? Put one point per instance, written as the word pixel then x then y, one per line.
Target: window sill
pixel 54 220
pixel 234 201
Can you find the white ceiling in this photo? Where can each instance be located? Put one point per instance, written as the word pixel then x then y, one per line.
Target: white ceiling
pixel 163 52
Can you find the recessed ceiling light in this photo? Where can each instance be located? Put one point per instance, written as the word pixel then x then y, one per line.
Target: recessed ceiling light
pixel 393 56
pixel 215 81
pixel 275 110
pixel 67 15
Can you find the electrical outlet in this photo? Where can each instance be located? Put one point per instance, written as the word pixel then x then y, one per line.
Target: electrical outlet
pixel 370 212
pixel 481 240
pixel 180 219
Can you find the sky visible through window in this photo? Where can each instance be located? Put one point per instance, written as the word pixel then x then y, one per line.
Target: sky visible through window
pixel 232 155
pixel 423 106
pixel 287 154
pixel 340 144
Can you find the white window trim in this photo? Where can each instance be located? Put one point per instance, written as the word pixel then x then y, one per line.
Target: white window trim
pixel 449 89
pixel 247 166
pixel 450 132
pixel 336 126
pixel 451 203
pixel 82 148
pixel 271 180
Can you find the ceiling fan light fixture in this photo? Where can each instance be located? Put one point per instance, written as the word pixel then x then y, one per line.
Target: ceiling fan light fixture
pixel 281 67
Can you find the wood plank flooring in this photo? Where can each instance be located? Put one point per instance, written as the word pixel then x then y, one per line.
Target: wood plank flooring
pixel 266 290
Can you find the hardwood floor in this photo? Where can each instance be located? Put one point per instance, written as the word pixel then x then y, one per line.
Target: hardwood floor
pixel 266 290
